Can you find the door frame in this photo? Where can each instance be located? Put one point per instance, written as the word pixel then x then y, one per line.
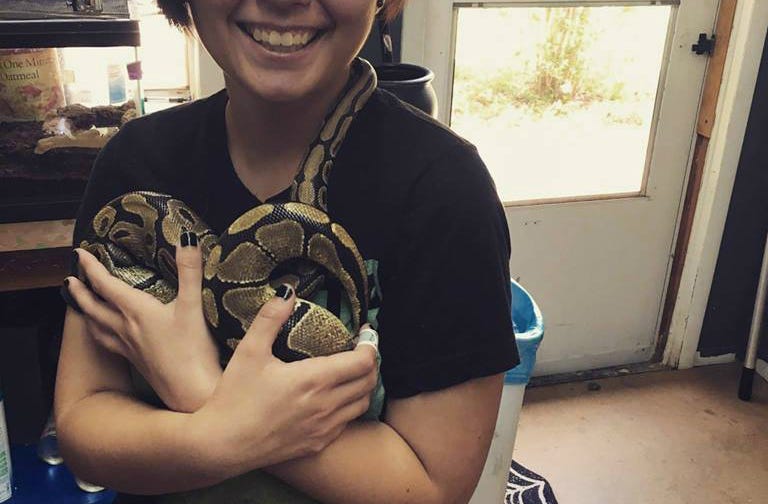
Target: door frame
pixel 722 160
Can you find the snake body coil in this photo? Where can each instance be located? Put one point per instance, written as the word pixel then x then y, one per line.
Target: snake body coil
pixel 135 236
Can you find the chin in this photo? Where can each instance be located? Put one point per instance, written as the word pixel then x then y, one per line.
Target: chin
pixel 283 95
pixel 280 90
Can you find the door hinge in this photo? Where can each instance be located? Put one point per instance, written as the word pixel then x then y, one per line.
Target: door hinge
pixel 704 45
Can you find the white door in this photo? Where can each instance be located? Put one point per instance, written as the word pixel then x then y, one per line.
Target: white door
pixel 584 111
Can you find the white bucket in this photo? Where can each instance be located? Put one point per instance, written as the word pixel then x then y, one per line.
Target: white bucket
pixel 493 482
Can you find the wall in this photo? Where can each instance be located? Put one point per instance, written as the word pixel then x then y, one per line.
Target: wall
pixel 731 300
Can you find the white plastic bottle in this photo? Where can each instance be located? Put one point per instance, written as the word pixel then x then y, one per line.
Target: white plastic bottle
pixel 5 456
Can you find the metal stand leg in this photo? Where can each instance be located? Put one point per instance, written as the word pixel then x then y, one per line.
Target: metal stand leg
pixel 750 359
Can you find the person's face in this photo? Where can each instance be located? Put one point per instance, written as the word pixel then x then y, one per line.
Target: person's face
pixel 284 50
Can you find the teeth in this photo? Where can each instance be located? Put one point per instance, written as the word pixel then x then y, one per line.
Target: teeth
pixel 291 40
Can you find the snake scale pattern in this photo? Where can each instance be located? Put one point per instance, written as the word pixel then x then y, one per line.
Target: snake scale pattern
pixel 135 236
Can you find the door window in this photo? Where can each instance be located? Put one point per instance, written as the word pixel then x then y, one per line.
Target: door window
pixel 560 100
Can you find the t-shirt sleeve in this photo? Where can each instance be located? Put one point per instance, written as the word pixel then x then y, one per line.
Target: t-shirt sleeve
pixel 111 176
pixel 446 316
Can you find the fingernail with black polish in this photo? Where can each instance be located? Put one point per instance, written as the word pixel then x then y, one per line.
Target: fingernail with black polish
pixel 184 239
pixel 285 291
pixel 193 239
pixel 67 297
pixel 74 267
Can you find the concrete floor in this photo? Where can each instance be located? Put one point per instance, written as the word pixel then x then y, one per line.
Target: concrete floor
pixel 672 437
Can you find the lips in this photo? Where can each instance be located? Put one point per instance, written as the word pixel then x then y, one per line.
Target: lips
pixel 281 40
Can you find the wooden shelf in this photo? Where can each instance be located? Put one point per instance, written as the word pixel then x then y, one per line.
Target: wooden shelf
pixel 34 269
pixel 75 32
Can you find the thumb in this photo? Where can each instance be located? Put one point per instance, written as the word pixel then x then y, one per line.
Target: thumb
pixel 267 323
pixel 189 264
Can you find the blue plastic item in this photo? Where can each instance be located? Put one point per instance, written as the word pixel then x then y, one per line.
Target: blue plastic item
pixel 529 331
pixel 35 482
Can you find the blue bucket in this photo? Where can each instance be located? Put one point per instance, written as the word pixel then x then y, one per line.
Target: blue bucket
pixel 529 331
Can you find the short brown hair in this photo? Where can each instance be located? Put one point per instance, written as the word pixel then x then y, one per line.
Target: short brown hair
pixel 177 11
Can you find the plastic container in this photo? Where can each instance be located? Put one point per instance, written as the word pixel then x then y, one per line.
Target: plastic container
pixel 529 331
pixel 48 452
pixel 6 473
pixel 48 446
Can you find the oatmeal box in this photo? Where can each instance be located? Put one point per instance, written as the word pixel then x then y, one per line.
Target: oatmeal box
pixel 30 84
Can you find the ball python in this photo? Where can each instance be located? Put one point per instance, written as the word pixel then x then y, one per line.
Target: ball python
pixel 135 236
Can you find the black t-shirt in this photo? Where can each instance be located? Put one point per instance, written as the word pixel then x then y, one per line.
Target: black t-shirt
pixel 416 198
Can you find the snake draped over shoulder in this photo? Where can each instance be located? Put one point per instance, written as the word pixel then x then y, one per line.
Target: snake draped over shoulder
pixel 135 236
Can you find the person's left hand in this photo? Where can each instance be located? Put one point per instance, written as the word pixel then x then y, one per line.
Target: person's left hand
pixel 169 344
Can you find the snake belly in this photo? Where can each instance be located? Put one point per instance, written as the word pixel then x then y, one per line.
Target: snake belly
pixel 135 235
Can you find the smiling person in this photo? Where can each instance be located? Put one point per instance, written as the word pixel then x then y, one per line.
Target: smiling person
pixel 423 211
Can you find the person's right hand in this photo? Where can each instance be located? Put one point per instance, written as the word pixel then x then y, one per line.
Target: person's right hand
pixel 265 411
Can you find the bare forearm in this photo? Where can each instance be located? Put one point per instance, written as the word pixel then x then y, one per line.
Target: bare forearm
pixel 430 450
pixel 368 464
pixel 113 440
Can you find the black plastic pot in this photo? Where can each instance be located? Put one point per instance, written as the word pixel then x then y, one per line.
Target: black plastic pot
pixel 410 83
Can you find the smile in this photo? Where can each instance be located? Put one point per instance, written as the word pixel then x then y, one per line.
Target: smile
pixel 281 41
